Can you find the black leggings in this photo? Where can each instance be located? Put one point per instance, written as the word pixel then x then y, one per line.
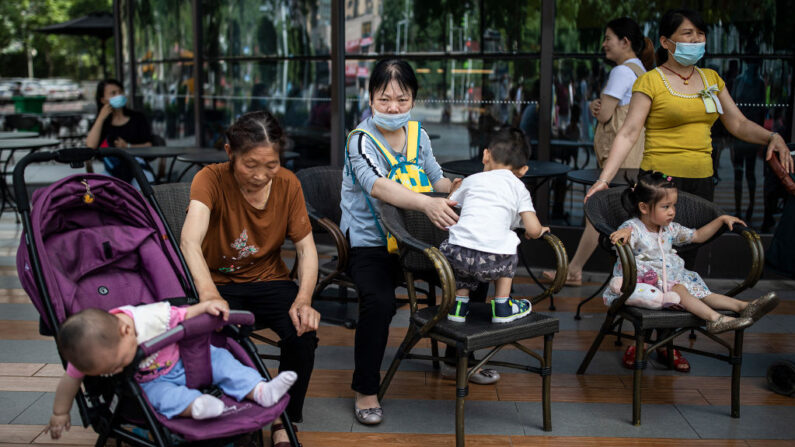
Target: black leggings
pixel 270 301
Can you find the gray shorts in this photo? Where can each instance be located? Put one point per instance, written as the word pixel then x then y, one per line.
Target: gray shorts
pixel 472 266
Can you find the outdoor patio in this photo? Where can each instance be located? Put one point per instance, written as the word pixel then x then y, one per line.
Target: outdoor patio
pixel 593 409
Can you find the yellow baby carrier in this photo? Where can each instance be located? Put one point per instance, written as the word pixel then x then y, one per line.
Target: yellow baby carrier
pixel 405 171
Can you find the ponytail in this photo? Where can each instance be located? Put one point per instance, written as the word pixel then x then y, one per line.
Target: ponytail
pixel 646 55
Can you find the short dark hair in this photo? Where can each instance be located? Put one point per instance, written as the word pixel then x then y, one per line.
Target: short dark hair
pixel 85 331
pixel 650 188
pixel 509 147
pixel 254 129
pixel 387 70
pixel 671 21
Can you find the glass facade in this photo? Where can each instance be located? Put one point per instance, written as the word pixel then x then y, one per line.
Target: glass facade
pixel 478 63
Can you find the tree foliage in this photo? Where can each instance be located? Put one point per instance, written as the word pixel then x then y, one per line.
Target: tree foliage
pixel 75 57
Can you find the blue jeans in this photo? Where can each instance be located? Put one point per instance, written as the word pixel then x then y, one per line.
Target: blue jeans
pixel 169 396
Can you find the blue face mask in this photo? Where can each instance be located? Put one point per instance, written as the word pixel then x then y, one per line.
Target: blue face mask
pixel 118 101
pixel 391 121
pixel 689 53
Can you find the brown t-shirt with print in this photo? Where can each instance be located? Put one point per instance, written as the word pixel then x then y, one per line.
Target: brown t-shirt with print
pixel 243 243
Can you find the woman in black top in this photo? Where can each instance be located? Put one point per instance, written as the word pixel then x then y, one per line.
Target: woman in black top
pixel 118 126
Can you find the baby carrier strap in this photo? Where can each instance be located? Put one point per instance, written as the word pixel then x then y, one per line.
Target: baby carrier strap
pixel 407 172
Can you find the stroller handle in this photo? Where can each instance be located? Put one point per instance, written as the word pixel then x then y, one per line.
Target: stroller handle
pixel 73 156
pixel 198 325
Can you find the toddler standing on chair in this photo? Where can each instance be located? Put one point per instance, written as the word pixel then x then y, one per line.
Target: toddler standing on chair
pixel 481 246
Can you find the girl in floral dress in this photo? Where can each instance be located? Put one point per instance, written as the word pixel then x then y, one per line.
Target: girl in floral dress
pixel 652 234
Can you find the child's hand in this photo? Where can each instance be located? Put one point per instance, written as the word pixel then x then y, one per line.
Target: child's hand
pixel 528 235
pixel 58 423
pixel 729 221
pixel 455 184
pixel 217 307
pixel 622 235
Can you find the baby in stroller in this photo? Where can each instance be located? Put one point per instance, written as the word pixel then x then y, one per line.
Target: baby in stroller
pixel 95 342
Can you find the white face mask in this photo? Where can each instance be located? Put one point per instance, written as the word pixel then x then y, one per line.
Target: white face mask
pixel 391 121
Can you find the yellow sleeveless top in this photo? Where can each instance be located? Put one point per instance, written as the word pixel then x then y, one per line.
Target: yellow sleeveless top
pixel 678 141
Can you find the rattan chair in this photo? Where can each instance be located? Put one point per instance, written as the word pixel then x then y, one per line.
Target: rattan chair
pixel 419 256
pixel 606 213
pixel 321 187
pixel 174 199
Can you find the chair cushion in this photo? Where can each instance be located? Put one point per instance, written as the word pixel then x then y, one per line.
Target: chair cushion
pixel 664 319
pixel 479 332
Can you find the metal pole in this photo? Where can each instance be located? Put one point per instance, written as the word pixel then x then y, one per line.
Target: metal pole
pixel 198 73
pixel 337 82
pixel 131 51
pixel 118 59
pixel 545 99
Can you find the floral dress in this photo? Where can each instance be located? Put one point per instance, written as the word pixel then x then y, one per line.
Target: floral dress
pixel 655 252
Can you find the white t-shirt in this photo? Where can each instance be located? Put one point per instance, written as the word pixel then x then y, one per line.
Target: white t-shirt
pixel 490 205
pixel 620 81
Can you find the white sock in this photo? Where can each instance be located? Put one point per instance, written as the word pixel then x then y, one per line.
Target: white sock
pixel 463 299
pixel 501 299
pixel 268 393
pixel 206 407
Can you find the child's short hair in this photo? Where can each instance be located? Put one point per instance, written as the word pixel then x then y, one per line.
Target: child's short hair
pixel 83 333
pixel 509 147
pixel 650 188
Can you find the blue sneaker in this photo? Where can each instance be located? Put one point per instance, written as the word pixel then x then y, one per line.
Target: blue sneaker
pixel 459 311
pixel 505 310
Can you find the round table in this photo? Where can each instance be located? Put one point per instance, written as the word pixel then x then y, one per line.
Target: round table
pixel 536 169
pixel 589 176
pixel 13 145
pixel 17 135
pixel 578 144
pixel 211 156
pixel 149 153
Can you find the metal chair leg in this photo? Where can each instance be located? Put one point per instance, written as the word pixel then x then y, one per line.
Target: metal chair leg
pixel 412 337
pixel 736 362
pixel 595 345
pixel 546 381
pixel 637 374
pixel 604 284
pixel 461 391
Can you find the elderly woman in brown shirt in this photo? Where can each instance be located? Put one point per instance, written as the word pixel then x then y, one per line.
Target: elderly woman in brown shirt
pixel 239 215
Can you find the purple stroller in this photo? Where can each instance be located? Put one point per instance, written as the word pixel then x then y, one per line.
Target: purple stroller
pixel 92 240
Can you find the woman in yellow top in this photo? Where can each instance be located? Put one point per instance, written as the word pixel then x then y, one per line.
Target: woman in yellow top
pixel 677 103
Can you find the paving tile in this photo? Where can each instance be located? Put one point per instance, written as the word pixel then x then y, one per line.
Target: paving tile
pixel 581 419
pixel 18 311
pixel 28 351
pixel 40 411
pixel 14 403
pixel 755 422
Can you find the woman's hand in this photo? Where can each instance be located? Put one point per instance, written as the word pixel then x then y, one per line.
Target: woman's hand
pixel 729 221
pixel 595 106
pixel 596 187
pixel 104 112
pixel 440 211
pixel 120 143
pixel 623 235
pixel 777 144
pixel 305 318
pixel 58 423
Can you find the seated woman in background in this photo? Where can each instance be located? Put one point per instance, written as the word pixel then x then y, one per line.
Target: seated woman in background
pixel 118 126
